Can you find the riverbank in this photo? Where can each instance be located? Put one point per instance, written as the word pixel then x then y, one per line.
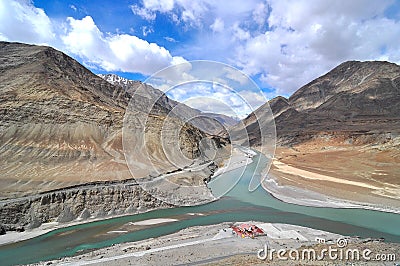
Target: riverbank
pixel 239 204
pixel 303 197
pixel 339 177
pixel 240 157
pixel 13 236
pixel 217 245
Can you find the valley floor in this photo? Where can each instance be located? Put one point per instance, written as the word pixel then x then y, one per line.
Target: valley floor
pixel 293 171
pixel 336 176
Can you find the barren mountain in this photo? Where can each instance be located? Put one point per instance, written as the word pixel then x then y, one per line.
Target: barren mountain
pixel 208 122
pixel 62 148
pixel 353 97
pixel 61 125
pixel 339 134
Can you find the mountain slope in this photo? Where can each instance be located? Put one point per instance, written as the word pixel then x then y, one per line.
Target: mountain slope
pixel 353 97
pixel 207 122
pixel 61 125
pixel 338 137
pixel 56 117
pixel 372 79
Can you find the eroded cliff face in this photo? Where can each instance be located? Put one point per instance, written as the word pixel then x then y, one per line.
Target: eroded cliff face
pixel 96 200
pixel 60 124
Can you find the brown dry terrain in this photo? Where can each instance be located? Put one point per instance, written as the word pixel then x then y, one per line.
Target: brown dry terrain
pixel 339 134
pixel 346 171
pixel 61 125
pixel 61 146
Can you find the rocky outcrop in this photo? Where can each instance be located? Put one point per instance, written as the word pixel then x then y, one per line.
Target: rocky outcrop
pixel 66 215
pixel 2 230
pixel 101 199
pixel 85 214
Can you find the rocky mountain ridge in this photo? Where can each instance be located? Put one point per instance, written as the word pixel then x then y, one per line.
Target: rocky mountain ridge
pixel 210 123
pixel 355 98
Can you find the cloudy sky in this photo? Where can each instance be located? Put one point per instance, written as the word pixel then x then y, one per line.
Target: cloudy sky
pixel 282 45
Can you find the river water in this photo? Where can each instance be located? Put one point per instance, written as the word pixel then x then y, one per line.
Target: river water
pixel 238 205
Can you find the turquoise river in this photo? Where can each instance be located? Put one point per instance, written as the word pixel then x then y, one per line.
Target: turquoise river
pixel 238 205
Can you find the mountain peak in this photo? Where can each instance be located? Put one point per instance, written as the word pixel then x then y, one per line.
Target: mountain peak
pixel 350 77
pixel 353 97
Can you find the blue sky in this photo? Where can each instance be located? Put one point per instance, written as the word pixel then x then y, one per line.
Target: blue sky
pixel 282 45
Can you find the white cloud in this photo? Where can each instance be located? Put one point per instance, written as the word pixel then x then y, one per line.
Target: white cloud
pixel 146 30
pixel 254 99
pixel 285 43
pixel 211 105
pixel 239 33
pixel 73 7
pixel 190 12
pixel 218 25
pixel 159 5
pixel 212 97
pixel 228 23
pixel 112 52
pixel 236 75
pixel 260 13
pixel 170 39
pixel 21 21
pixel 308 38
pixel 119 52
pixel 143 12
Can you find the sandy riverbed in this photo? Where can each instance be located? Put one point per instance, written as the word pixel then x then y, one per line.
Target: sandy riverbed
pixel 13 236
pixel 240 157
pixel 340 177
